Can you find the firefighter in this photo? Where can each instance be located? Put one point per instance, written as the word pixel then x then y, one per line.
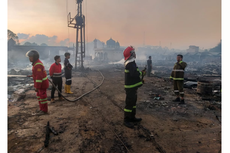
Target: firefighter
pixel 41 82
pixel 178 79
pixel 68 73
pixel 56 75
pixel 132 83
pixel 149 66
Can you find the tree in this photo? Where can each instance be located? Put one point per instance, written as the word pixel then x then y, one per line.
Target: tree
pixel 43 44
pixel 27 44
pixel 30 44
pixel 34 44
pixel 12 35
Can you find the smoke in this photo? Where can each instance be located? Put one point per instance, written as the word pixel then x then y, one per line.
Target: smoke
pixel 41 38
pixel 23 35
pixel 64 42
pixel 119 62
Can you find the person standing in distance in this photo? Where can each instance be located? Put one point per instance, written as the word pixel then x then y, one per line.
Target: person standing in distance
pixel 178 79
pixel 149 66
pixel 68 73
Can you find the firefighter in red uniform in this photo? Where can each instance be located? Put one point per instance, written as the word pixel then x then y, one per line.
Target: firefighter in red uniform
pixel 56 75
pixel 41 82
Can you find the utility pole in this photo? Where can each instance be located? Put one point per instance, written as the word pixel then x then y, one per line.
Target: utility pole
pixel 78 22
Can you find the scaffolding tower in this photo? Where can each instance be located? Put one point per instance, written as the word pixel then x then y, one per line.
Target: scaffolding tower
pixel 78 22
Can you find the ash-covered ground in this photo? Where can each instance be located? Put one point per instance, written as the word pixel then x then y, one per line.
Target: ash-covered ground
pixel 95 122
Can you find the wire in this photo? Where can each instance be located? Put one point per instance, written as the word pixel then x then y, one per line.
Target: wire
pixel 75 8
pixel 81 95
pixel 67 7
pixel 86 25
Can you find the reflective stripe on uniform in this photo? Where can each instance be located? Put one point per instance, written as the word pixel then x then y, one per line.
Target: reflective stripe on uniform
pixel 140 74
pixel 176 90
pixel 181 92
pixel 38 64
pixel 127 71
pixel 44 102
pixel 134 107
pixel 170 77
pixel 68 79
pixel 128 110
pixel 42 79
pixel 180 62
pixel 134 85
pixel 178 70
pixel 178 78
pixel 43 99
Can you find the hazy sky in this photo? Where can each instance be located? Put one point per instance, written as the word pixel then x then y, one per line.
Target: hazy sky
pixel 180 22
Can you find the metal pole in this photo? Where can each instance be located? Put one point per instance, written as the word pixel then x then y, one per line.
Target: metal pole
pixel 84 39
pixel 81 51
pixel 76 49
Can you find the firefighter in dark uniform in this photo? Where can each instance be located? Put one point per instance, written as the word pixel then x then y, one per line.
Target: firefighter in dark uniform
pixel 133 80
pixel 68 73
pixel 149 66
pixel 178 79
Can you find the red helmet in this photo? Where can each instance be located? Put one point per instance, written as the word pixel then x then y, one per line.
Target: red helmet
pixel 128 52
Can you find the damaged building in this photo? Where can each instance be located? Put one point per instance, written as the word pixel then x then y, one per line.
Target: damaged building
pixel 110 52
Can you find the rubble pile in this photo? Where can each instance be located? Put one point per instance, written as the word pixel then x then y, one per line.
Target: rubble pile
pixel 18 86
pixel 20 72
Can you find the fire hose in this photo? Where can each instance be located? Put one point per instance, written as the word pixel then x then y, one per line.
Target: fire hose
pixel 103 78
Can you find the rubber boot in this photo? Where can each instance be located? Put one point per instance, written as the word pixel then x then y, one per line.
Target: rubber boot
pixel 177 100
pixel 136 119
pixel 68 89
pixel 128 124
pixel 182 102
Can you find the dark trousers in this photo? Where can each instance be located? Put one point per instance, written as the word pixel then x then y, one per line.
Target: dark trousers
pixel 149 69
pixel 130 104
pixel 58 82
pixel 68 76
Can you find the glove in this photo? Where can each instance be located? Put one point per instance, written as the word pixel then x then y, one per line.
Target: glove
pixel 70 66
pixel 143 72
pixel 36 90
pixel 143 81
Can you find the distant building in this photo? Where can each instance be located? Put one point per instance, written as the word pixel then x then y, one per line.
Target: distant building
pixel 110 52
pixel 44 51
pixel 11 43
pixel 193 49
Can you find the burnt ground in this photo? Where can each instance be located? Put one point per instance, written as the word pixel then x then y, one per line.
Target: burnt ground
pixel 94 124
